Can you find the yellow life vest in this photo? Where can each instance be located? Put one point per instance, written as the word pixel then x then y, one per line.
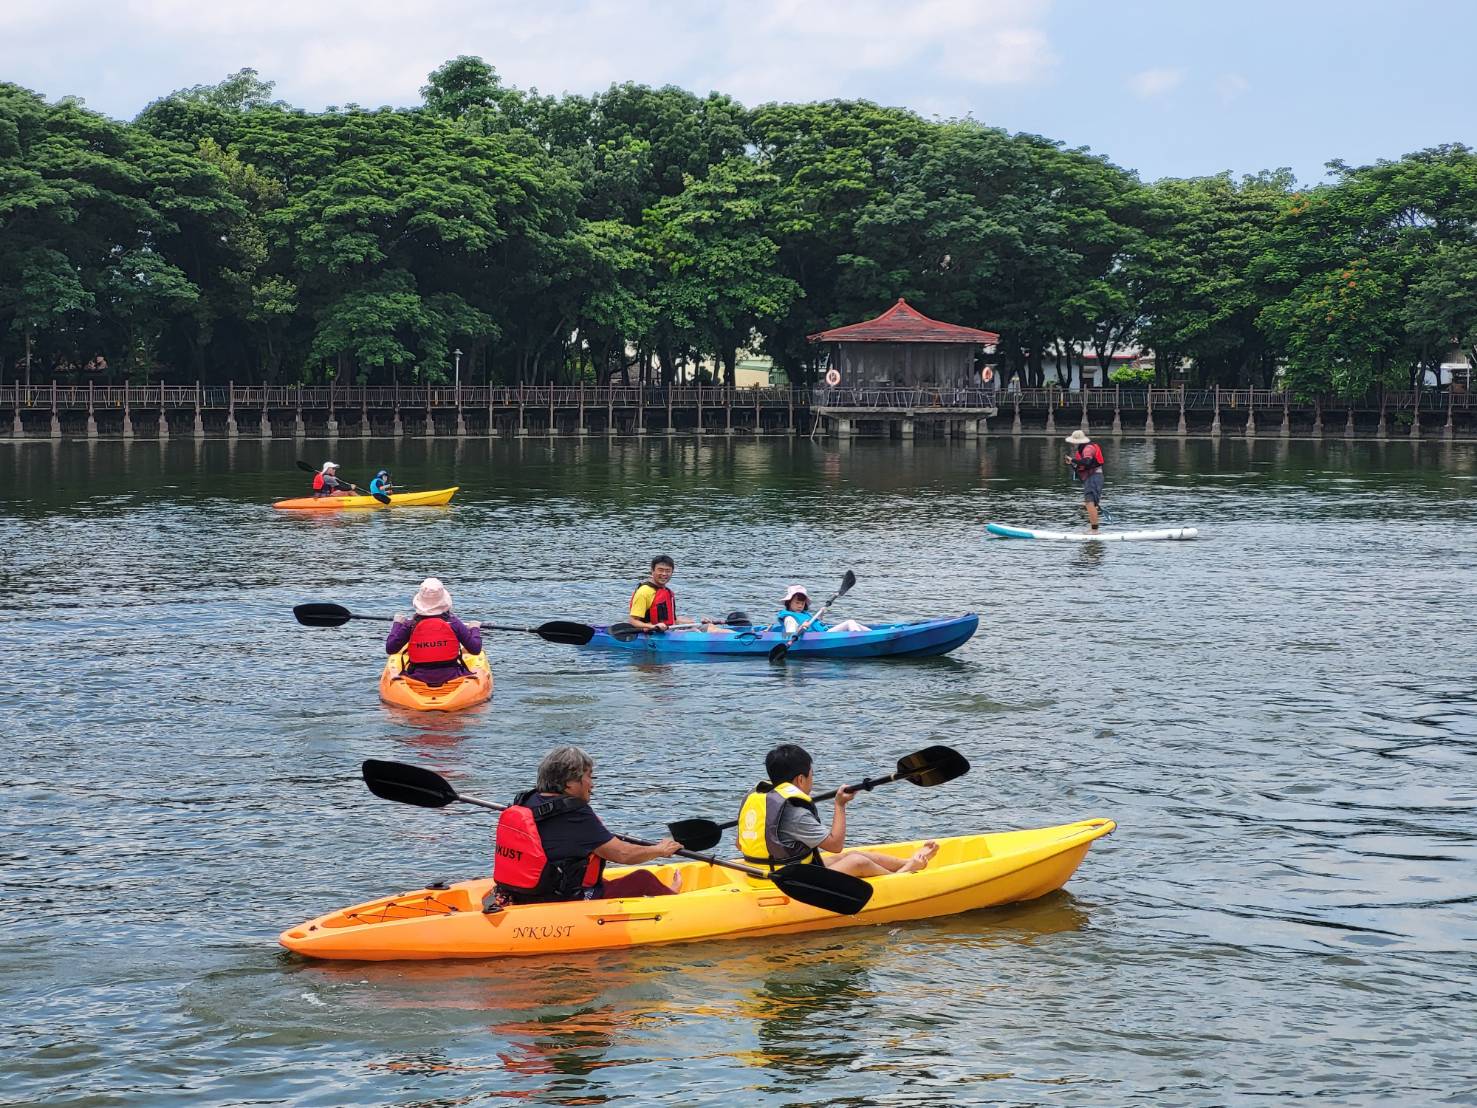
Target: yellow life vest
pixel 759 821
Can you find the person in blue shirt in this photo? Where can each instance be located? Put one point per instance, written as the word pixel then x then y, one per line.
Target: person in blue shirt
pixel 794 611
pixel 381 483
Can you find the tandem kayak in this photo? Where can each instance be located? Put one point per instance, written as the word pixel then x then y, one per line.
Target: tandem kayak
pixel 427 499
pixel 969 872
pixel 1172 534
pixel 919 639
pixel 463 692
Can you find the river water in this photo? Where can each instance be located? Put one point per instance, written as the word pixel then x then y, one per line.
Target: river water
pixel 1282 718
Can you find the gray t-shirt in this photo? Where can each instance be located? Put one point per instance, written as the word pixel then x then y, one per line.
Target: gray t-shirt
pixel 798 828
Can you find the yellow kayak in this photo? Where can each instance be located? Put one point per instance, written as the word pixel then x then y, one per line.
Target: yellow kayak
pixel 429 498
pixel 969 872
pixel 464 692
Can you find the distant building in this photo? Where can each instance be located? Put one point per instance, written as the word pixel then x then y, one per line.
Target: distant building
pixel 903 347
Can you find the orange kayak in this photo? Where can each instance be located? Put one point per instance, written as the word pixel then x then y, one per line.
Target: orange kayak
pixel 429 498
pixel 969 872
pixel 463 692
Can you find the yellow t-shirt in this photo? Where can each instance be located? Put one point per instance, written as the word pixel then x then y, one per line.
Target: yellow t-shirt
pixel 641 601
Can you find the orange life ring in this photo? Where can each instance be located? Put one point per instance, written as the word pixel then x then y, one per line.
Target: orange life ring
pixel 987 375
pixel 833 377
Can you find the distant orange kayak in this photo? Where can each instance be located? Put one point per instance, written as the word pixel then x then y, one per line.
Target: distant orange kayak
pixel 429 498
pixel 465 692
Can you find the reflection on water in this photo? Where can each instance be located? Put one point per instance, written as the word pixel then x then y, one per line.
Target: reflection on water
pixel 1281 717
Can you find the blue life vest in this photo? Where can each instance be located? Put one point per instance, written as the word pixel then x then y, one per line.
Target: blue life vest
pixel 377 485
pixel 798 617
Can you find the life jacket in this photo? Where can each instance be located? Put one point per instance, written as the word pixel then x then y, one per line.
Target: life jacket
pixel 1086 458
pixel 432 641
pixel 798 617
pixel 377 484
pixel 663 608
pixel 522 871
pixel 759 822
pixel 317 482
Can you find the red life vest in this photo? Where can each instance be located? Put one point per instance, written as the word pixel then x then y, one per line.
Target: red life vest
pixel 432 641
pixel 317 482
pixel 663 607
pixel 1086 458
pixel 522 871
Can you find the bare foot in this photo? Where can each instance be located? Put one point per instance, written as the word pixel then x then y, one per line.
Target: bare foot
pixel 677 882
pixel 921 857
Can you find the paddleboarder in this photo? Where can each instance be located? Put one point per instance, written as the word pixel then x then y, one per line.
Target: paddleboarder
pixel 1086 461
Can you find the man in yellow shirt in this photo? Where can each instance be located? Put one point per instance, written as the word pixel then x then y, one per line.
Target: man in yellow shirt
pixel 653 605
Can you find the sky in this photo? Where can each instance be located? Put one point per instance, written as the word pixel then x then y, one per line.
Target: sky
pixel 1169 89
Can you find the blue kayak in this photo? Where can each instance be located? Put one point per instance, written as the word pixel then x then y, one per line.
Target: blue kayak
pixel 922 638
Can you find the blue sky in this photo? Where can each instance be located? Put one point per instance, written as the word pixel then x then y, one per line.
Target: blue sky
pixel 1167 89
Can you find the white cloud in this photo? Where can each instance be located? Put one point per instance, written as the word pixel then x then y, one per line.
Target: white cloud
pixel 123 53
pixel 1155 82
pixel 1229 86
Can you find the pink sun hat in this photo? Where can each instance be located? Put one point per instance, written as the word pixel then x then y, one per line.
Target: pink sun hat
pixel 431 599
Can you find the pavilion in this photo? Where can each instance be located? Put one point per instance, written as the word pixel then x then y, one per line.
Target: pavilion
pixel 902 367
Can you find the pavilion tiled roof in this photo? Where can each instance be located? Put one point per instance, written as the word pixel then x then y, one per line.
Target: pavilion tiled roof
pixel 904 323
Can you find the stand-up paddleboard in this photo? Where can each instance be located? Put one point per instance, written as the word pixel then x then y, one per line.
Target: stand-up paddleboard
pixel 1000 530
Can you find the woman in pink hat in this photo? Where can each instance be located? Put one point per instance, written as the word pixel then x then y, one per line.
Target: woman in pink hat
pixel 433 638
pixel 792 615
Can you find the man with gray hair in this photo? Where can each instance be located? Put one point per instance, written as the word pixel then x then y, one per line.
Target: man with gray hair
pixel 552 846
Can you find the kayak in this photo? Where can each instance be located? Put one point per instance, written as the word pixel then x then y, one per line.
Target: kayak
pixel 1172 534
pixel 918 639
pixel 447 921
pixel 429 498
pixel 459 693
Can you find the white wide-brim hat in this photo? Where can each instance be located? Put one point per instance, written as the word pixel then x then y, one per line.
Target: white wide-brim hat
pixel 1078 437
pixel 793 591
pixel 431 599
pixel 329 465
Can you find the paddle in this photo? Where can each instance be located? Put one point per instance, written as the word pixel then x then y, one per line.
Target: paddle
pixel 781 649
pixel 381 497
pixel 933 765
pixel 810 884
pixel 334 615
pixel 625 632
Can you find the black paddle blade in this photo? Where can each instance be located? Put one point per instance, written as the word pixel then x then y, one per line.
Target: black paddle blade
pixel 563 631
pixel 846 583
pixel 696 834
pixel 407 784
pixel 305 467
pixel 778 651
pixel 823 888
pixel 383 498
pixel 932 766
pixel 322 615
pixel 623 632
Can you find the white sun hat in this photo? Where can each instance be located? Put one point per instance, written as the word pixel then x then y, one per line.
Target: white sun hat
pixel 793 591
pixel 1078 437
pixel 431 599
pixel 329 465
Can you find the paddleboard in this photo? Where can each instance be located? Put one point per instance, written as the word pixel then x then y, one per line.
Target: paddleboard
pixel 1000 530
